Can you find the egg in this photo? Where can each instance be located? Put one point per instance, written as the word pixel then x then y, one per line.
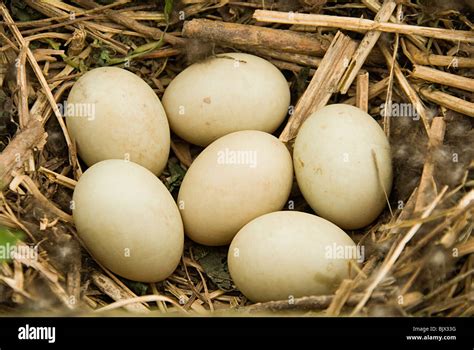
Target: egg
pixel 289 254
pixel 343 165
pixel 128 220
pixel 235 179
pixel 226 93
pixel 112 113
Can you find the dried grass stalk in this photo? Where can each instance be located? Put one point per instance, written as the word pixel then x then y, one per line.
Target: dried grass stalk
pixel 430 59
pixel 440 77
pixel 358 24
pixel 449 101
pixel 362 91
pixel 365 47
pixel 323 83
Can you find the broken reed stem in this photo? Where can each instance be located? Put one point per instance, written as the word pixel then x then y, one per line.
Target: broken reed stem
pixel 446 100
pixel 429 59
pixel 254 36
pixel 323 84
pixel 365 47
pixel 358 24
pixel 440 77
pixel 362 91
pixel 58 178
pixel 23 111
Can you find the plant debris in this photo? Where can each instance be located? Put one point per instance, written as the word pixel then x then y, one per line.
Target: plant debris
pixel 410 66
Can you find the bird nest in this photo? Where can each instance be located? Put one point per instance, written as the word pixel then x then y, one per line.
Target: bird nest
pixel 413 59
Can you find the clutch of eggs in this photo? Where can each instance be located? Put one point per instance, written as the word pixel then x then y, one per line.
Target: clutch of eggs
pixel 234 189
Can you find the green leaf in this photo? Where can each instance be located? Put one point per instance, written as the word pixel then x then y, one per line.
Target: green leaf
pixel 54 44
pixel 214 262
pixel 8 240
pixel 176 174
pixel 104 55
pixel 138 288
pixel 139 51
pixel 148 47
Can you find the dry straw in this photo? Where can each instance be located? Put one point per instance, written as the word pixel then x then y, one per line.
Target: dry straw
pixel 419 259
